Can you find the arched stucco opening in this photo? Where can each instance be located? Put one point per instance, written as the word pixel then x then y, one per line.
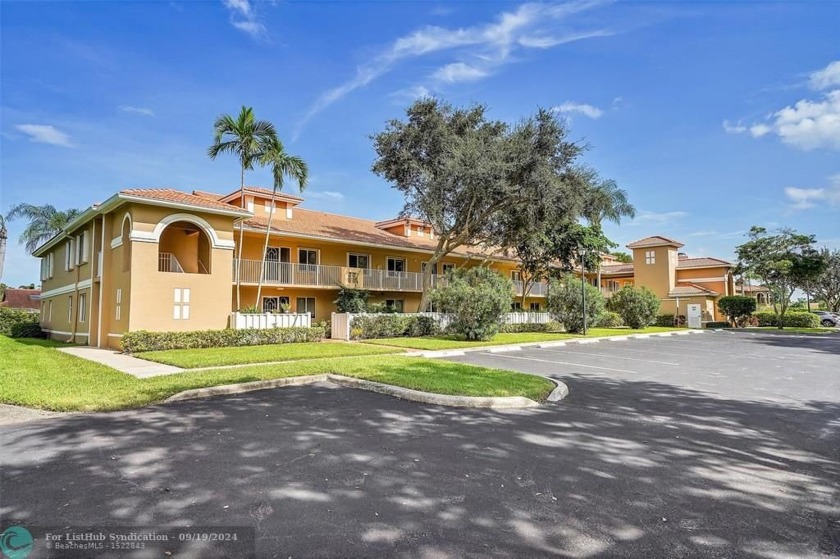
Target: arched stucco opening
pixel 184 247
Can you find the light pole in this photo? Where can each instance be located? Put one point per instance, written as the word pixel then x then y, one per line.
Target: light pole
pixel 583 286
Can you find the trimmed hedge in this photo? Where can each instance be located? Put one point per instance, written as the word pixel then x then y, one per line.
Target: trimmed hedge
pixel 550 326
pixel 10 317
pixel 668 320
pixel 719 324
pixel 392 325
pixel 142 340
pixel 791 320
pixel 27 330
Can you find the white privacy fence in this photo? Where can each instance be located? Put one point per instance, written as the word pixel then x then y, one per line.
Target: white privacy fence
pixel 264 321
pixel 342 323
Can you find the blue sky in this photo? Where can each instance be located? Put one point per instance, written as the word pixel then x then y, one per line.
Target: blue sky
pixel 713 116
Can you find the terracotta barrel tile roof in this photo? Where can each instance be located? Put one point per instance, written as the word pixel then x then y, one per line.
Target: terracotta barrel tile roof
pixel 21 298
pixel 690 290
pixel 178 197
pixel 702 262
pixel 654 241
pixel 617 269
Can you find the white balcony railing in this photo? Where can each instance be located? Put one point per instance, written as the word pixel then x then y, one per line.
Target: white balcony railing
pixel 538 289
pixel 316 275
pixel 168 263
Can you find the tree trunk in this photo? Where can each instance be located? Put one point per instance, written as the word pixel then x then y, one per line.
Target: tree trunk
pixel 3 237
pixel 265 246
pixel 427 281
pixel 239 247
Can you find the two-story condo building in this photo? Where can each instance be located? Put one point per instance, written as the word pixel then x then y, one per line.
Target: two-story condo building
pixel 164 260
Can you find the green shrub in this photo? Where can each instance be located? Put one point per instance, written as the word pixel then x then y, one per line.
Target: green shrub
pixel 565 303
pixel 665 320
pixel 351 300
pixel 791 320
pixel 27 330
pixel 141 340
pixel 477 300
pixel 10 317
pixel 720 324
pixel 609 319
pixel 519 328
pixel 737 308
pixel 392 325
pixel 638 306
pixel 381 307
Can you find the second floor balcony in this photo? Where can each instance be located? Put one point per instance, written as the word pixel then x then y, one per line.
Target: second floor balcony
pixel 293 274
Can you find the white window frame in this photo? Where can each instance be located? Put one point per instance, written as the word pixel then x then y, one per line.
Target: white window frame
pixel 516 306
pixel 250 205
pixel 69 256
pixel 82 307
pixel 395 259
pixel 516 275
pixel 650 257
pixel 425 265
pixel 534 306
pixel 357 255
pixel 306 303
pixel 70 309
pixel 118 305
pixel 398 304
pixel 181 303
pixel 317 258
pixel 279 300
pixel 446 267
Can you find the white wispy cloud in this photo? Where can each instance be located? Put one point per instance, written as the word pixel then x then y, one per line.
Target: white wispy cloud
pixel 45 134
pixel 412 93
pixel 137 110
pixel 478 50
pixel 808 124
pixel 570 107
pixel 324 195
pixel 459 72
pixel 804 198
pixel 244 18
pixel 734 128
pixel 645 217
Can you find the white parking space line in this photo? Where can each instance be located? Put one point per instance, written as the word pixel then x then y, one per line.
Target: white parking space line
pixel 609 356
pixel 506 356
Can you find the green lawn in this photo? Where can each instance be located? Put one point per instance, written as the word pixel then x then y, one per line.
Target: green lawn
pixel 220 356
pixel 786 330
pixel 34 374
pixel 455 342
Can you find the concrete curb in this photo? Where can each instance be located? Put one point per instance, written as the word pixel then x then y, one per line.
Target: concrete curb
pixel 443 353
pixel 508 402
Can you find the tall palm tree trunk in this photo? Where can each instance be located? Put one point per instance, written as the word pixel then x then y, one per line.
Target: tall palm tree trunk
pixel 265 245
pixel 3 237
pixel 239 247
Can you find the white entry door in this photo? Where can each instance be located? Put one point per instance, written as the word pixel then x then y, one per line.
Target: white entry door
pixel 694 315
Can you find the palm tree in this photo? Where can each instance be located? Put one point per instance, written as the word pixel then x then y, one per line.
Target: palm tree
pixel 282 165
pixel 4 235
pixel 45 222
pixel 607 201
pixel 248 139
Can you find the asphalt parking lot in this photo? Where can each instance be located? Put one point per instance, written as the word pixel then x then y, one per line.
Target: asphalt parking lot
pixel 733 452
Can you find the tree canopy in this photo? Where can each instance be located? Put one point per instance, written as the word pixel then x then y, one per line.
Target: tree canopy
pixel 783 261
pixel 827 285
pixel 479 182
pixel 44 222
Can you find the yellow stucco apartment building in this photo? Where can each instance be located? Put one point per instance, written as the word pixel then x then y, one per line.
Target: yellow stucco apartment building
pixel 163 260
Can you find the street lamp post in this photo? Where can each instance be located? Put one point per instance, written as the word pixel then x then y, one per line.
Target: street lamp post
pixel 583 286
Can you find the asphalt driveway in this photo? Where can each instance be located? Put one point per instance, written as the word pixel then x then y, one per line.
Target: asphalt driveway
pixel 727 459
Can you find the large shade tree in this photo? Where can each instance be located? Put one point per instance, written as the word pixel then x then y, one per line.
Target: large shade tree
pixel 783 261
pixel 249 140
pixel 43 223
pixel 283 166
pixel 464 174
pixel 827 285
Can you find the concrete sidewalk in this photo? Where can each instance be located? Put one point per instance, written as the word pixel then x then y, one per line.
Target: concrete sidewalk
pixel 133 366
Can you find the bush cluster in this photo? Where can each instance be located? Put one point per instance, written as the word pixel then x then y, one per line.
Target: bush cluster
pixel 791 320
pixel 565 304
pixel 737 308
pixel 609 319
pixel 392 325
pixel 719 324
pixel 27 330
pixel 142 340
pixel 477 300
pixel 637 306
pixel 10 317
